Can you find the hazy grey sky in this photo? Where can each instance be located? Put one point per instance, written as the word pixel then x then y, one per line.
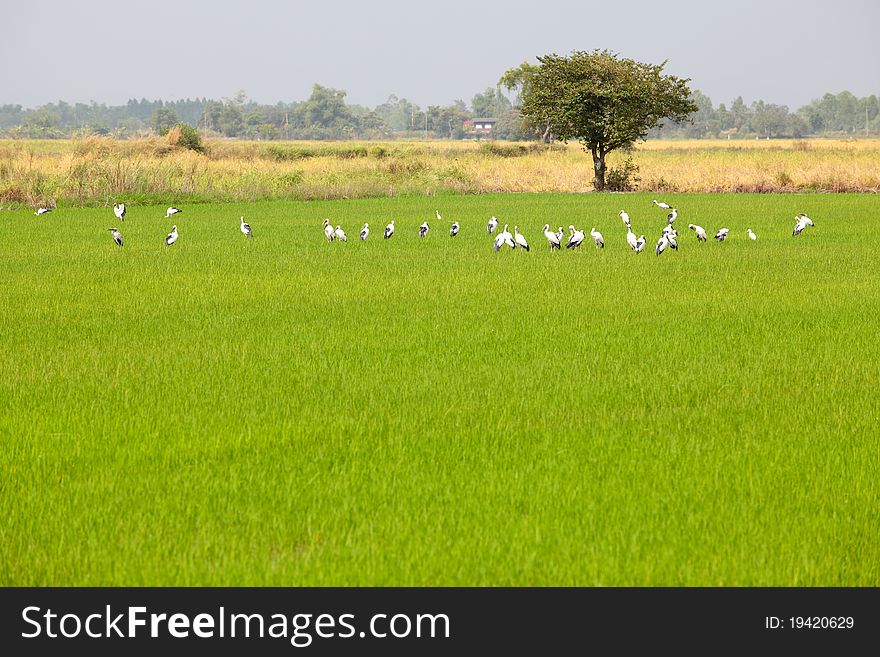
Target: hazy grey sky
pixel 786 52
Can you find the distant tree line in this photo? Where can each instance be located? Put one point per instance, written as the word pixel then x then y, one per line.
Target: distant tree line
pixel 326 115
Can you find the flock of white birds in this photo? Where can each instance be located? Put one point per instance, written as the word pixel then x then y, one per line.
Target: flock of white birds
pixel 668 236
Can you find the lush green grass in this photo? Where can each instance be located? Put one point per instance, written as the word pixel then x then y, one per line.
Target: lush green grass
pixel 427 412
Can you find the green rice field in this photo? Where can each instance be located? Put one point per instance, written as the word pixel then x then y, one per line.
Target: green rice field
pixel 284 411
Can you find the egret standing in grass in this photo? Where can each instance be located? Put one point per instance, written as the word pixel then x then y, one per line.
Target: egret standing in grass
pixel 172 211
pixel 437 212
pixel 365 232
pixel 752 236
pixel 172 236
pixel 328 231
pixel 625 217
pixel 576 239
pixel 492 225
pixel 246 229
pixel 520 239
pixel 552 238
pixel 340 234
pixel 453 230
pixel 721 235
pixel 119 211
pixel 662 205
pixel 389 230
pixel 41 211
pixel 699 231
pixel 597 238
pixel 116 235
pixel 423 229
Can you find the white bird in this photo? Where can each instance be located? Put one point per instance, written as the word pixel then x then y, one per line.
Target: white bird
pixel 520 239
pixel 625 217
pixel 246 228
pixel 552 238
pixel 672 216
pixel 365 232
pixel 659 204
pixel 437 212
pixel 721 235
pixel 576 239
pixel 699 231
pixel 171 211
pixel 453 230
pixel 669 230
pixel 673 242
pixel 328 231
pixel 389 230
pixel 662 243
pixel 423 229
pixel 640 244
pixel 42 211
pixel 631 239
pixel 492 225
pixel 504 238
pixel 340 234
pixel 560 234
pixel 172 236
pixel 806 220
pixel 597 238
pixel 117 236
pixel 752 236
pixel 799 226
pixel 119 211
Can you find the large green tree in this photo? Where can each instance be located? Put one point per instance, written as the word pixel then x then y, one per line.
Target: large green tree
pixel 600 99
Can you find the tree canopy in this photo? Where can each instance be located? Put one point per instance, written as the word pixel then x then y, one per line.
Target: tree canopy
pixel 600 99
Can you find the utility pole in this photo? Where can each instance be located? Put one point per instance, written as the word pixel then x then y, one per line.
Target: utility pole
pixel 866 120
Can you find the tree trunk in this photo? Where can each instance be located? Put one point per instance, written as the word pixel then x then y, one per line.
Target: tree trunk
pixel 599 169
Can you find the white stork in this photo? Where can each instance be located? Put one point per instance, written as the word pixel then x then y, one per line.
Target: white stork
pixel 721 235
pixel 560 234
pixel 640 244
pixel 119 211
pixel 340 234
pixel 172 236
pixel 520 239
pixel 453 229
pixel 806 220
pixel 672 216
pixel 552 238
pixel 389 230
pixel 699 231
pixel 660 204
pixel 631 239
pixel 172 210
pixel 328 231
pixel 246 228
pixel 365 232
pixel 423 229
pixel 576 239
pixel 41 211
pixel 625 217
pixel 597 238
pixel 662 243
pixel 492 225
pixel 503 238
pixel 116 235
pixel 752 235
pixel 799 226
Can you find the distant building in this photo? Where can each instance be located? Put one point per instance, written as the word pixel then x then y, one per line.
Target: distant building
pixel 481 127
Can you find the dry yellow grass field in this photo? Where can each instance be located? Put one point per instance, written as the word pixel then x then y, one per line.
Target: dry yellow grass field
pixel 96 170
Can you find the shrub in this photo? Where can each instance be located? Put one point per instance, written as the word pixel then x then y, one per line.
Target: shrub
pixel 624 178
pixel 184 135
